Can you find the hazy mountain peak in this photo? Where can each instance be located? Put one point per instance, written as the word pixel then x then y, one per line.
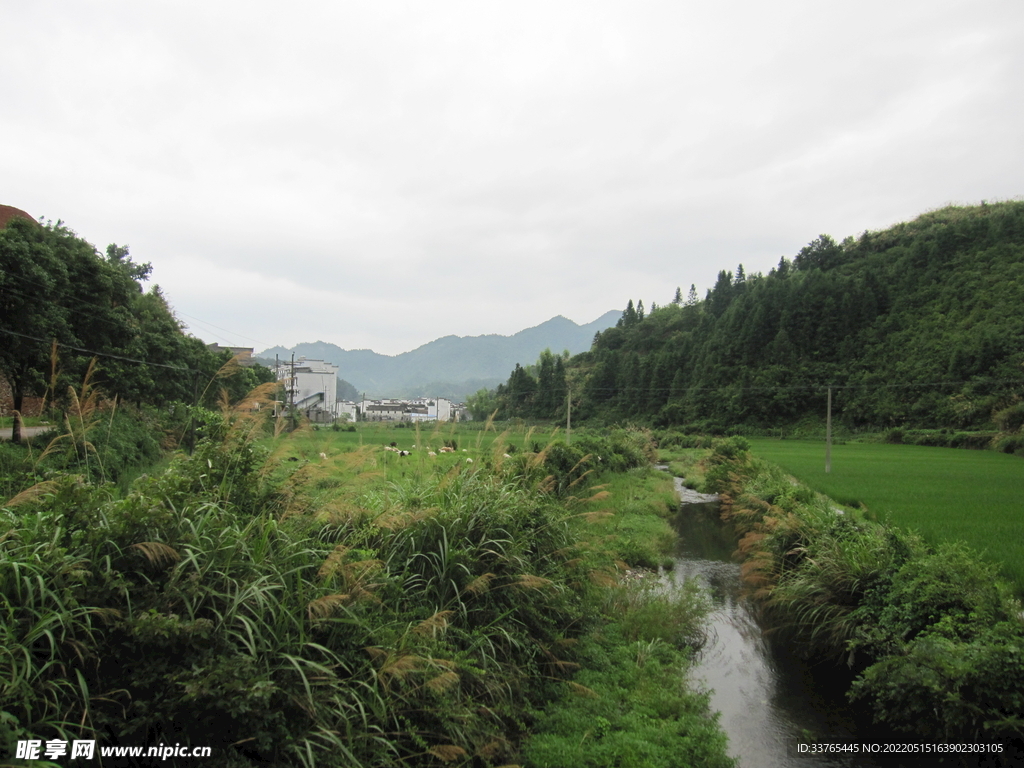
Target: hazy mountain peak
pixel 452 365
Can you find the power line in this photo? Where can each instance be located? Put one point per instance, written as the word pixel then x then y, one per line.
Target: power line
pixel 102 354
pixel 204 322
pixel 792 388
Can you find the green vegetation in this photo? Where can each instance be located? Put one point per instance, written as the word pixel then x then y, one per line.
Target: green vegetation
pixel 471 435
pixel 633 710
pixel 631 705
pixel 316 599
pixel 919 325
pixel 300 599
pixel 970 496
pixel 311 598
pixel 936 639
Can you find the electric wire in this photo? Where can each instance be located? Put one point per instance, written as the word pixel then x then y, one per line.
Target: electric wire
pixel 102 354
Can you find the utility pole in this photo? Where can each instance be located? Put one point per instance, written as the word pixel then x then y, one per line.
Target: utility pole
pixel 568 416
pixel 192 416
pixel 291 393
pixel 828 435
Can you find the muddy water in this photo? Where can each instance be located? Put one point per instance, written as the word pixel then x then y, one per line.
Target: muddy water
pixel 769 699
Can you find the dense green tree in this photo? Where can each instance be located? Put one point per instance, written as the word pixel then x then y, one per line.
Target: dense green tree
pixel 740 277
pixel 720 296
pixel 822 253
pixel 547 397
pixel 31 281
pixel 65 308
pixel 520 393
pixel 482 404
pixel 629 317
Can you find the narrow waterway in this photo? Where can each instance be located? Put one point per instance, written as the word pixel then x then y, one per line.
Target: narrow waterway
pixel 769 700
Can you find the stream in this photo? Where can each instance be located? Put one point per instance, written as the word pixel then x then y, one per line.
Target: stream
pixel 769 699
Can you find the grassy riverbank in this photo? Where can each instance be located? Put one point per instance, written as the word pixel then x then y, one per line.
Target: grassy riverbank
pixel 945 494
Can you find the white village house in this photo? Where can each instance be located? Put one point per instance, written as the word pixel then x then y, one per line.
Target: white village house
pixel 415 409
pixel 312 386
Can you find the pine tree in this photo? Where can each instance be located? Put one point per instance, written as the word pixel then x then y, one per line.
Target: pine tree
pixel 691 297
pixel 721 295
pixel 629 317
pixel 678 299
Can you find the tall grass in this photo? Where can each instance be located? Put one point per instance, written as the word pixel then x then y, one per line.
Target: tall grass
pixel 322 616
pixel 349 607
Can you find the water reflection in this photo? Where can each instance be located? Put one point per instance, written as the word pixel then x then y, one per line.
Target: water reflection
pixel 768 698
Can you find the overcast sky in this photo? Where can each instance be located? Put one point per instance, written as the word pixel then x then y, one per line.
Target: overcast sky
pixel 379 174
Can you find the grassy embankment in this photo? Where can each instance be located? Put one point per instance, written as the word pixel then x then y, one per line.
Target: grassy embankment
pixel 358 608
pixel 944 494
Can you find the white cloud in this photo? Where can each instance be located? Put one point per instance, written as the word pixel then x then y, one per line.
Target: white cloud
pixel 383 174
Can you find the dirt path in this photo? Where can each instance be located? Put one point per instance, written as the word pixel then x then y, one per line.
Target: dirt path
pixel 5 432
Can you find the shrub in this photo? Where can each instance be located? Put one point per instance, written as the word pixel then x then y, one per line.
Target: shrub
pixel 648 610
pixel 944 689
pixel 1010 419
pixel 974 440
pixel 950 592
pixel 932 439
pixel 1011 444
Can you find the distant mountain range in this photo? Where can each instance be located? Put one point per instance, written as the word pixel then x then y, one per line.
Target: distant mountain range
pixel 452 366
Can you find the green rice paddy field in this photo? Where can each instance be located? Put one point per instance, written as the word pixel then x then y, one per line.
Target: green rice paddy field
pixel 944 493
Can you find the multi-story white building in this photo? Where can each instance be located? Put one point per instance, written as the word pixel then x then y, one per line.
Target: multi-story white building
pixel 312 387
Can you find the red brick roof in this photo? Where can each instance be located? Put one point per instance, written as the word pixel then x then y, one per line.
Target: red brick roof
pixel 8 212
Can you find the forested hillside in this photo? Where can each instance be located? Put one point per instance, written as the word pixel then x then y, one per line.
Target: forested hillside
pixel 918 325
